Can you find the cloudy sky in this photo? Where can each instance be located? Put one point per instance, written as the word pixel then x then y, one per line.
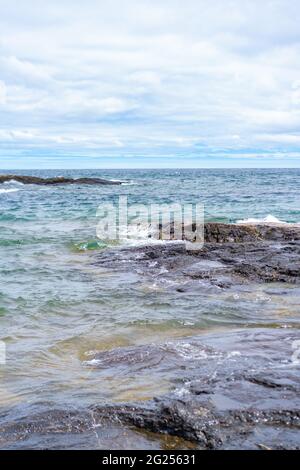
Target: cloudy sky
pixel 149 83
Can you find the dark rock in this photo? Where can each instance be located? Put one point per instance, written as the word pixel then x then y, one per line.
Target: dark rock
pixel 54 181
pixel 238 233
pixel 254 254
pixel 226 233
pixel 237 390
pixel 229 396
pixel 231 390
pixel 230 233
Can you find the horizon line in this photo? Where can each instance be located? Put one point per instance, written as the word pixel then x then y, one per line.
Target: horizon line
pixel 156 168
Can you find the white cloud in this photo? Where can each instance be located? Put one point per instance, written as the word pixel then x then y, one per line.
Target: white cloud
pixel 2 93
pixel 280 138
pixel 140 75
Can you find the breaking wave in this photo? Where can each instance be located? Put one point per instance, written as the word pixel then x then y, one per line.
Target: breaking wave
pixel 10 190
pixel 270 219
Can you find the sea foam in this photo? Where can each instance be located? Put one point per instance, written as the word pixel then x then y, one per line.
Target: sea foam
pixel 270 219
pixel 11 190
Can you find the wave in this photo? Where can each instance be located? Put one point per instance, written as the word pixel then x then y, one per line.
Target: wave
pixel 118 181
pixel 270 219
pixel 89 245
pixel 131 235
pixel 11 190
pixel 14 182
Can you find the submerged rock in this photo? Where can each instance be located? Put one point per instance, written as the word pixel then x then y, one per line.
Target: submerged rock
pixel 230 390
pixel 54 181
pixel 242 384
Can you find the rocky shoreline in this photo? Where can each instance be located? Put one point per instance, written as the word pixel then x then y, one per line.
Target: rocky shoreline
pixel 236 389
pixel 239 390
pixel 231 255
pixel 244 391
pixel 55 181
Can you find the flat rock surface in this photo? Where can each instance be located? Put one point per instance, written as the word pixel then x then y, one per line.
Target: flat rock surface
pixel 231 254
pixel 231 390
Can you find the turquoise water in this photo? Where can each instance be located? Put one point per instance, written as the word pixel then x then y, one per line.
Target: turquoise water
pixel 56 305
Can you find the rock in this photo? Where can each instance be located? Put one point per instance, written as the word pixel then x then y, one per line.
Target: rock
pixel 257 254
pixel 236 233
pixel 229 390
pixel 242 388
pixel 227 233
pixel 232 390
pixel 224 233
pixel 54 181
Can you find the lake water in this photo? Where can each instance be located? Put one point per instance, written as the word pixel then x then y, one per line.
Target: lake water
pixel 57 306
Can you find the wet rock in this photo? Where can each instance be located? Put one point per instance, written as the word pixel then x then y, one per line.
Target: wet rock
pixel 279 263
pixel 230 233
pixel 54 181
pixel 193 423
pixel 236 233
pixel 231 390
pixel 150 355
pixel 254 254
pixel 206 269
pixel 227 233
pixel 247 387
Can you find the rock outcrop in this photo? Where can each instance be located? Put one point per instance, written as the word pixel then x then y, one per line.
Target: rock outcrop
pixel 231 255
pixel 237 390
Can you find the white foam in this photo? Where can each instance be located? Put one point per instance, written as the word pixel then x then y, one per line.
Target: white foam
pixel 188 351
pixel 123 183
pixel 270 219
pixel 11 190
pixel 137 234
pixel 92 362
pixel 15 182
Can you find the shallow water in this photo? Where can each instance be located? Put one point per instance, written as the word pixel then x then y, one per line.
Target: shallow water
pixel 57 306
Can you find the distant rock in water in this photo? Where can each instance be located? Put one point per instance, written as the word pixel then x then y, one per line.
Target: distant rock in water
pixel 54 181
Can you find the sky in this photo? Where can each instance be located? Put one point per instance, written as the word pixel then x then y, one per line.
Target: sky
pixel 158 83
